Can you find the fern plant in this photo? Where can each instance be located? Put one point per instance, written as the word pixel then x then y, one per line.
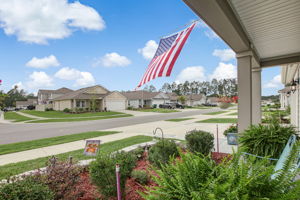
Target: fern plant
pixel 197 177
pixel 266 140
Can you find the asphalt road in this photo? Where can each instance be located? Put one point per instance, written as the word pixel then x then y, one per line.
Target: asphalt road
pixel 10 133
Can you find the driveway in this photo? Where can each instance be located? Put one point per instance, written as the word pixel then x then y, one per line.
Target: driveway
pixel 10 133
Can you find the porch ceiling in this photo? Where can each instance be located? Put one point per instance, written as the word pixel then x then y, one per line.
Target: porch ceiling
pixel 269 28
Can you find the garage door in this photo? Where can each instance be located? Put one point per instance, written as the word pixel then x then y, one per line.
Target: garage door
pixel 115 105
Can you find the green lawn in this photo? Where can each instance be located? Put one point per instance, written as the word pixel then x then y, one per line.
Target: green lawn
pixel 20 167
pixel 178 120
pixel 22 146
pixel 15 117
pixel 79 119
pixel 60 114
pixel 158 110
pixel 235 113
pixel 215 113
pixel 200 107
pixel 219 120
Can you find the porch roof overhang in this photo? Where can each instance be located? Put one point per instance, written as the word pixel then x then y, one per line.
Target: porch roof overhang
pixel 268 30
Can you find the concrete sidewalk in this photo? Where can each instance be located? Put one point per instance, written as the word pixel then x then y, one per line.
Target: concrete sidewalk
pixel 175 130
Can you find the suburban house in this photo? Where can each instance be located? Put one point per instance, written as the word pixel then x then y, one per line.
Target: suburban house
pixel 284 97
pixel 195 99
pixel 290 75
pixel 173 97
pixel 267 102
pixel 95 97
pixel 212 100
pixel 260 40
pixel 46 96
pixel 140 98
pixel 25 104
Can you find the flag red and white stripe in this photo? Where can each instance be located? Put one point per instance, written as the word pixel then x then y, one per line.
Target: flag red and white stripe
pixel 166 55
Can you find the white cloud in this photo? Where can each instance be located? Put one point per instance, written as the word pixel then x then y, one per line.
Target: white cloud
pixel 80 78
pixel 112 60
pixel 38 21
pixel 42 63
pixel 85 79
pixel 224 71
pixel 224 54
pixel 211 34
pixel 149 49
pixel 274 83
pixel 193 73
pixel 39 80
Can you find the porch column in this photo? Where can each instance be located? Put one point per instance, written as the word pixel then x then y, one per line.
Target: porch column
pixel 244 91
pixel 256 95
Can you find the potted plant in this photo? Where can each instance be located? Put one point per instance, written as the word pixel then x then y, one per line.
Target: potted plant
pixel 224 102
pixel 232 135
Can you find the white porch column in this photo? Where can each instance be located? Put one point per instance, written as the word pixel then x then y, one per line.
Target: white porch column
pixel 244 91
pixel 256 95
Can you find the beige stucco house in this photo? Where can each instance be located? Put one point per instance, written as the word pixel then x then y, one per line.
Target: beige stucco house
pixel 94 97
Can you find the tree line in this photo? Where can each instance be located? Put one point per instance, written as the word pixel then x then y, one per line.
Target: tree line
pixel 224 87
pixel 9 99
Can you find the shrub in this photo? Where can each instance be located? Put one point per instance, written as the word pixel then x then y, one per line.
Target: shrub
pixel 139 153
pixel 266 140
pixel 49 109
pixel 61 178
pixel 140 176
pixel 27 189
pixel 67 110
pixel 103 173
pixel 161 152
pixel 232 129
pixel 200 141
pixel 197 177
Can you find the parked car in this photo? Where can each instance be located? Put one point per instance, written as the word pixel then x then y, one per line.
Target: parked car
pixel 8 109
pixel 30 107
pixel 178 105
pixel 167 106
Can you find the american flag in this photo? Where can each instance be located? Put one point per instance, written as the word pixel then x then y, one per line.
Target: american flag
pixel 166 55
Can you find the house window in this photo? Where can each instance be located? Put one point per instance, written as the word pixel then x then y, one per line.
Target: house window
pixel 78 104
pixel 83 104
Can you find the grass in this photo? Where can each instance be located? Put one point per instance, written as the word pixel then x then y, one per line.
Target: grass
pixel 15 117
pixel 215 113
pixel 79 119
pixel 158 110
pixel 28 145
pixel 178 120
pixel 235 113
pixel 199 107
pixel 20 167
pixel 60 114
pixel 219 120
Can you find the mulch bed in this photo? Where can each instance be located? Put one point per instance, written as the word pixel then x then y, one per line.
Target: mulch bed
pixel 133 188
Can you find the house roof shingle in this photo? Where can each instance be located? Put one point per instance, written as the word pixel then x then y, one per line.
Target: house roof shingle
pixel 62 90
pixel 81 94
pixel 194 97
pixel 132 95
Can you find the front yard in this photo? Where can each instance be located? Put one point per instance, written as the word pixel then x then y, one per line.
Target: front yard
pixel 219 120
pixel 158 110
pixel 32 116
pixel 60 114
pixel 28 145
pixel 20 167
pixel 15 117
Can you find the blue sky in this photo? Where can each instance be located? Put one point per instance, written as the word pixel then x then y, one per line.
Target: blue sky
pixel 51 44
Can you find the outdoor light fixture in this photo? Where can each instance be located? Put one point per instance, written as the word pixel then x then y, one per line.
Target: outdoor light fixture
pixel 294 85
